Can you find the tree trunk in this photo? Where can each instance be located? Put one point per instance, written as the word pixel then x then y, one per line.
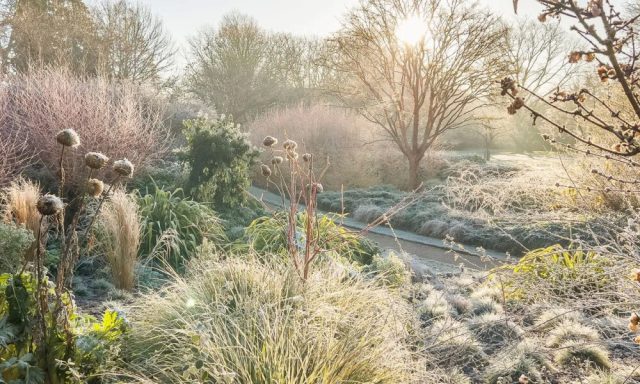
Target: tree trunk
pixel 414 169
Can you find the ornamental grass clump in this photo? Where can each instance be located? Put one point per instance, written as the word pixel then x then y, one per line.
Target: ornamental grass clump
pixel 244 321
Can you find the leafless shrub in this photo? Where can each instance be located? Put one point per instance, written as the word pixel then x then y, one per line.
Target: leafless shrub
pixel 114 118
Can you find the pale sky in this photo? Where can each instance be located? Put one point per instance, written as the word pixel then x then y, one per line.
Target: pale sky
pixel 183 18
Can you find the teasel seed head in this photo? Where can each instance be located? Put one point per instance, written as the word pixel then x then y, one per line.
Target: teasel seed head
pixel 123 167
pixel 95 160
pixel 306 157
pixel 68 138
pixel 49 205
pixel 277 160
pixel 289 145
pixel 266 171
pixel 95 187
pixel 269 141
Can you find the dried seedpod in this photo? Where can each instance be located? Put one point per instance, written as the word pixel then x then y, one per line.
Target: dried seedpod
pixel 290 145
pixel 266 171
pixel 68 138
pixel 269 141
pixel 95 160
pixel 277 160
pixel 307 157
pixel 123 168
pixel 49 205
pixel 95 187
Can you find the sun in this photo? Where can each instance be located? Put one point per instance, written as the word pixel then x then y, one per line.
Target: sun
pixel 411 30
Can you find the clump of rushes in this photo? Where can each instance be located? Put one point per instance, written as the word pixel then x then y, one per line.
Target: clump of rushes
pixel 95 160
pixel 123 168
pixel 95 187
pixel 269 141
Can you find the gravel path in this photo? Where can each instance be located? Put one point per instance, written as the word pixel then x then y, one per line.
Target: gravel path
pixel 422 253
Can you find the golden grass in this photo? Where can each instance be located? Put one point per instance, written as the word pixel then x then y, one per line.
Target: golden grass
pixel 120 223
pixel 20 198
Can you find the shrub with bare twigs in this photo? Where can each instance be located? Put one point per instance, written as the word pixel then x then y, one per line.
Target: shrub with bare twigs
pixel 117 118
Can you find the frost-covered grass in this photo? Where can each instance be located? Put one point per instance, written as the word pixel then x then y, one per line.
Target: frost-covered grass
pixel 505 205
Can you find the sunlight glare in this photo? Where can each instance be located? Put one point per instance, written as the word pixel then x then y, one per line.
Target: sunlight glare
pixel 411 30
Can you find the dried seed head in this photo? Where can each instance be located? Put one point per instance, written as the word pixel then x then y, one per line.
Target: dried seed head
pixel 542 17
pixel 95 187
pixel 269 141
pixel 589 57
pixel 49 205
pixel 68 138
pixel 292 155
pixel 306 157
pixel 575 56
pixel 95 160
pixel 518 103
pixel 290 145
pixel 123 167
pixel 634 319
pixel 266 171
pixel 277 160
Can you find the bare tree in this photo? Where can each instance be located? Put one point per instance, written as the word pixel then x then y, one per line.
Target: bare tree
pixel 243 70
pixel 415 92
pixel 42 33
pixel 536 54
pixel 135 43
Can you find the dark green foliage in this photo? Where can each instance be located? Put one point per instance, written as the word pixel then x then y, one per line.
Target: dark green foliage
pixel 219 159
pixel 92 343
pixel 14 242
pixel 174 226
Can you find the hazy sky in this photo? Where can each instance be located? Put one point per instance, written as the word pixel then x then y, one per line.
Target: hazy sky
pixel 184 18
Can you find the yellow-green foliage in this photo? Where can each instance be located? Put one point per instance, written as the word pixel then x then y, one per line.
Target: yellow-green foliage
pixel 269 235
pixel 557 272
pixel 245 321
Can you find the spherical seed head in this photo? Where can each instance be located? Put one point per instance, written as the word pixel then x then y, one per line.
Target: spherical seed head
pixel 95 160
pixel 266 171
pixel 95 187
pixel 319 188
pixel 123 167
pixel 290 145
pixel 269 141
pixel 634 319
pixel 68 138
pixel 49 205
pixel 277 160
pixel 306 157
